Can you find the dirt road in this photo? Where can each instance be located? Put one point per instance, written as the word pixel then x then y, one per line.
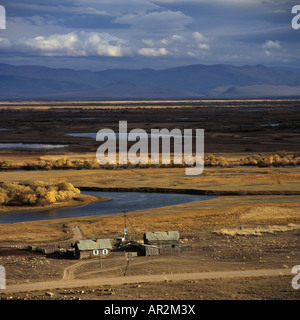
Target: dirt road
pixel 144 278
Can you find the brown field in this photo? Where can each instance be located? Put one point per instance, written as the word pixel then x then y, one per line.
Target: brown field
pixel 253 225
pixel 230 126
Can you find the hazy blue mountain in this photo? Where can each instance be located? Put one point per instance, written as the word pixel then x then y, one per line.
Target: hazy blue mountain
pixel 194 81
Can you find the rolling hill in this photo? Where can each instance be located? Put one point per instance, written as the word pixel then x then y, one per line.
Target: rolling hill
pixel 194 81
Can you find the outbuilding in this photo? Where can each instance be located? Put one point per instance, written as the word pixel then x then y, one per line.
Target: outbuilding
pixel 162 238
pixel 150 250
pixel 165 242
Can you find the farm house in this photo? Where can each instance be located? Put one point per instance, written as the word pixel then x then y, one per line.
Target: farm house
pixel 85 249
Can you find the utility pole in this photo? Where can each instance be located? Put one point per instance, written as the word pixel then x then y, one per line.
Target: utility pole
pixel 127 269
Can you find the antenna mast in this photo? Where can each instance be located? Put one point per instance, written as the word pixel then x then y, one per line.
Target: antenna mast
pixel 125 227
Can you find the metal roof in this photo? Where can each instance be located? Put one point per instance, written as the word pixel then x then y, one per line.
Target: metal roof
pixel 104 243
pixel 83 245
pixel 161 236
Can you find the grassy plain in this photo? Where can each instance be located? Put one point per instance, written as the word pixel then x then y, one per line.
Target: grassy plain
pixel 253 224
pixel 233 129
pixel 236 180
pixel 190 218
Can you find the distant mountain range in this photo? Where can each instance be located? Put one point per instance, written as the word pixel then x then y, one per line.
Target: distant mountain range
pixel 194 82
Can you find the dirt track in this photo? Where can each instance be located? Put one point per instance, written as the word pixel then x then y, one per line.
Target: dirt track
pixel 144 278
pixel 219 267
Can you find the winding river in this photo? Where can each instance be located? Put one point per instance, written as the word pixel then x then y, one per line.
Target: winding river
pixel 130 201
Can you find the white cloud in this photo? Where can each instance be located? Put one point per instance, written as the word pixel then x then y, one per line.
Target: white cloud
pixel 268 53
pixel 151 52
pixel 77 44
pixel 203 46
pixel 177 45
pixel 148 42
pixel 201 41
pixel 174 39
pixel 212 31
pixel 199 37
pixel 271 44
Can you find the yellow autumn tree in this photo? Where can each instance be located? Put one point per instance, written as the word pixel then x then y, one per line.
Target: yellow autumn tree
pixel 29 198
pixel 3 198
pixel 50 196
pixel 222 162
pixel 271 159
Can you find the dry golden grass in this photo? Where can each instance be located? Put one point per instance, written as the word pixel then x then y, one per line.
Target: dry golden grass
pixel 127 103
pixel 196 217
pixel 256 231
pixel 188 218
pixel 229 179
pixel 30 232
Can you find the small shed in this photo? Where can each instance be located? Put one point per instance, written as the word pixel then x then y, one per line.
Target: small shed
pixel 85 249
pixel 150 250
pixel 164 242
pixel 135 249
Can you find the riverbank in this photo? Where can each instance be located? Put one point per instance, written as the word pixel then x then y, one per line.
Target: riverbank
pixel 79 200
pixel 190 218
pixel 193 191
pixel 263 192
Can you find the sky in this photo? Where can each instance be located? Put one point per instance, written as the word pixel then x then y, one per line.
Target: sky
pixel 158 34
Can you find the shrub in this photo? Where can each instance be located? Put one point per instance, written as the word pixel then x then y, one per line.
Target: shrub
pixel 3 198
pixel 271 159
pixel 276 158
pixel 50 197
pixel 61 162
pixel 211 160
pixel 6 164
pixel 222 162
pixel 37 192
pixel 91 164
pixel 65 186
pixel 281 153
pixel 45 165
pixel 29 198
